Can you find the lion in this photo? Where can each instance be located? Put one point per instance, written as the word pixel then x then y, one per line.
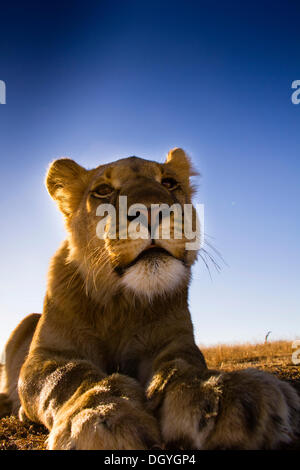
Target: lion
pixel 112 362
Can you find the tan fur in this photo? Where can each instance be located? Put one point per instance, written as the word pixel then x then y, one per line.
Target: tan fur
pixel 15 352
pixel 113 363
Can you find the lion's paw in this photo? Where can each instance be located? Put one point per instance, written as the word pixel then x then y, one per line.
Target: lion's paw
pixel 247 409
pixel 108 426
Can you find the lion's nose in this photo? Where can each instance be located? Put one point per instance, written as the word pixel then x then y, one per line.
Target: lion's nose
pixel 150 217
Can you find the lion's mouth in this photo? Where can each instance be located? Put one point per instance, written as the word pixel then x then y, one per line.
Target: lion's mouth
pixel 152 252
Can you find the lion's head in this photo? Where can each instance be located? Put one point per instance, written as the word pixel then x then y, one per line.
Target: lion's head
pixel 137 265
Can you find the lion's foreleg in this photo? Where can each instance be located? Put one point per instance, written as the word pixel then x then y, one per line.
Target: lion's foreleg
pixel 198 408
pixel 83 408
pixel 15 352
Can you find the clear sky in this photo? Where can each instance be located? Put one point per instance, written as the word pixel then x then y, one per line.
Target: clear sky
pixel 97 81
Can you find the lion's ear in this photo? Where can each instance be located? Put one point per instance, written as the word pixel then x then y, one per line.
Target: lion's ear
pixel 66 181
pixel 178 159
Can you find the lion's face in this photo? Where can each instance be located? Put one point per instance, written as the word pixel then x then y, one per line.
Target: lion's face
pixel 126 254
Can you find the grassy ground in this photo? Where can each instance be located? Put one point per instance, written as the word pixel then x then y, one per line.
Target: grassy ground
pixel 275 357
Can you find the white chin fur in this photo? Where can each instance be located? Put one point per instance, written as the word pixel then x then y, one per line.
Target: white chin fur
pixel 154 277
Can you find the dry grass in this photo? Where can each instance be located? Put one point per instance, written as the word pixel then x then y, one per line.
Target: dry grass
pixel 276 352
pixel 275 357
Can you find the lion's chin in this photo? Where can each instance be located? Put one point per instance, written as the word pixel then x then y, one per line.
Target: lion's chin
pixel 154 276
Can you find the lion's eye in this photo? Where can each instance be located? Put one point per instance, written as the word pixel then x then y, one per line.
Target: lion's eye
pixel 103 190
pixel 169 183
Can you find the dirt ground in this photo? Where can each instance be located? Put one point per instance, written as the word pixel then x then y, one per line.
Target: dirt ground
pixel 274 357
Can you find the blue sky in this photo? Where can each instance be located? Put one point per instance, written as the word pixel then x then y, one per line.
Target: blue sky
pixel 97 81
